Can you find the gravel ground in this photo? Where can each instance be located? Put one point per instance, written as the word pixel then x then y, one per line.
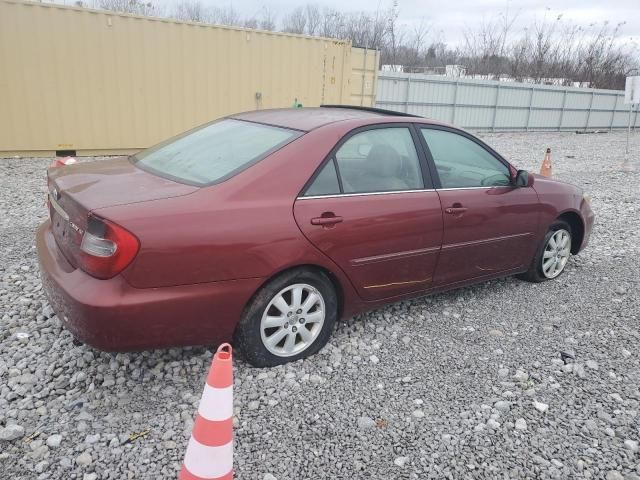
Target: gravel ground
pixel 468 384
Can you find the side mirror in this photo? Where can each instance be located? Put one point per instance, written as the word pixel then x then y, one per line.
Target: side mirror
pixel 524 179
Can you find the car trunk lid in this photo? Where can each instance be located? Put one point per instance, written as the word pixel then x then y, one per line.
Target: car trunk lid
pixel 76 190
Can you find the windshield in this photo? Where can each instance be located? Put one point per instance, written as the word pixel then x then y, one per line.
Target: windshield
pixel 213 152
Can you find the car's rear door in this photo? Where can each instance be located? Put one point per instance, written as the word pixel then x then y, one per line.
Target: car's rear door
pixel 372 209
pixel 489 223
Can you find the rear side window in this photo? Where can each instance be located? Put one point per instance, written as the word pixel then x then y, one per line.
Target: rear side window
pixel 379 160
pixel 375 160
pixel 213 152
pixel 326 182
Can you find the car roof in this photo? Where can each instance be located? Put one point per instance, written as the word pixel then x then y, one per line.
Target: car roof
pixel 310 118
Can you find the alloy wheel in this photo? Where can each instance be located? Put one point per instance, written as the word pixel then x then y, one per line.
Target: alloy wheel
pixel 556 253
pixel 292 320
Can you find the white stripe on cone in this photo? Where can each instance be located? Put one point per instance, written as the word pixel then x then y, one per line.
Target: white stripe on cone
pixel 208 462
pixel 216 403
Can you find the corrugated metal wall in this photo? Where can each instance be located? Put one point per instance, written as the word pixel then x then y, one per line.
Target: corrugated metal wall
pixel 99 82
pixel 493 105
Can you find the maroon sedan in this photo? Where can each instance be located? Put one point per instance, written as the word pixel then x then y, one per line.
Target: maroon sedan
pixel 266 227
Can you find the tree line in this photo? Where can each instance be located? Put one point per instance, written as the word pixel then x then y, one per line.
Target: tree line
pixel 548 50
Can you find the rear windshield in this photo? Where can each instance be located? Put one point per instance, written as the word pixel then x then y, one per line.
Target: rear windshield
pixel 213 152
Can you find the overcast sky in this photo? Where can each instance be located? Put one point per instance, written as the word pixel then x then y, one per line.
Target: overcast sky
pixel 448 19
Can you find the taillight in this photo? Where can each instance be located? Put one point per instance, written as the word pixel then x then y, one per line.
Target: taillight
pixel 106 248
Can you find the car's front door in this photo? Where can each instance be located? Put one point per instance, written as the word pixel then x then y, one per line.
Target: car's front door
pixel 489 223
pixel 372 209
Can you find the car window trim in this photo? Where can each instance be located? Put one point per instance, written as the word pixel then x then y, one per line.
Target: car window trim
pixel 462 133
pixel 426 176
pixel 361 194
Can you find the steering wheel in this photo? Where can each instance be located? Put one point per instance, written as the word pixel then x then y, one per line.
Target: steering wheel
pixel 497 180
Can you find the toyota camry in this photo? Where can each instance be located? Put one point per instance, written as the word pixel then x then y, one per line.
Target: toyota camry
pixel 267 227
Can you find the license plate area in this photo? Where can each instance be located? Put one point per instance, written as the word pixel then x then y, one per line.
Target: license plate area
pixel 59 220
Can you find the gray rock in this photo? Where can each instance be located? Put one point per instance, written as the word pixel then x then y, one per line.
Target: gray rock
pixel 521 424
pixel 84 459
pixel 401 461
pixel 521 376
pixel 54 441
pixel 540 406
pixel 502 406
pixel 614 475
pixel 11 432
pixel 493 424
pixel 631 445
pixel 366 423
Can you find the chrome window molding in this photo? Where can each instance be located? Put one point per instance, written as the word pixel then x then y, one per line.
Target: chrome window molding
pixel 391 192
pixel 475 188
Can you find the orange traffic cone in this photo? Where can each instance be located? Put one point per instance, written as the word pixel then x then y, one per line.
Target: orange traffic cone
pixel 210 449
pixel 545 169
pixel 62 161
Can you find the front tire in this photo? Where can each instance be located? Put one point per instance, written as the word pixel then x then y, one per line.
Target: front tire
pixel 552 255
pixel 290 318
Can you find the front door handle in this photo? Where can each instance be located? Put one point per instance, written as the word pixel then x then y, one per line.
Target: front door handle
pixel 326 219
pixel 455 209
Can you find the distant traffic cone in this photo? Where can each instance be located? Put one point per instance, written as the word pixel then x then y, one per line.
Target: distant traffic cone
pixel 210 449
pixel 62 161
pixel 545 169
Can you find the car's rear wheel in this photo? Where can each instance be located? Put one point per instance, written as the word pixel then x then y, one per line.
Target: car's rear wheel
pixel 290 318
pixel 552 255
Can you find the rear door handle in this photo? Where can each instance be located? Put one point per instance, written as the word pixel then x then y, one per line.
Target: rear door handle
pixel 455 210
pixel 328 220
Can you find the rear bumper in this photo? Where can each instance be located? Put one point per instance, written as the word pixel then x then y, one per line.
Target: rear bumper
pixel 111 315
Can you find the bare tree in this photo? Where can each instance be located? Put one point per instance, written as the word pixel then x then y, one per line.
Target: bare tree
pixel 267 19
pixel 137 7
pixel 314 19
pixel 226 16
pixel 192 10
pixel 395 36
pixel 550 50
pixel 296 21
pixel 331 23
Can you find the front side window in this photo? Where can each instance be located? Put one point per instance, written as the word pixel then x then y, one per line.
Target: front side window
pixel 379 160
pixel 462 163
pixel 213 152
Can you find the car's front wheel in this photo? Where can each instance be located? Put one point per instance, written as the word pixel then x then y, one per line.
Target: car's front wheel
pixel 290 318
pixel 552 255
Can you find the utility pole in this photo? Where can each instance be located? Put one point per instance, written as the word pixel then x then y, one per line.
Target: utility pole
pixel 631 96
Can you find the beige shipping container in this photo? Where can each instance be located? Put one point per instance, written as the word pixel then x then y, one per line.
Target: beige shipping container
pixel 364 76
pixel 98 82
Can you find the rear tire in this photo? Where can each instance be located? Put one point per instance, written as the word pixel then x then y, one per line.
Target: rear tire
pixel 550 262
pixel 291 317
